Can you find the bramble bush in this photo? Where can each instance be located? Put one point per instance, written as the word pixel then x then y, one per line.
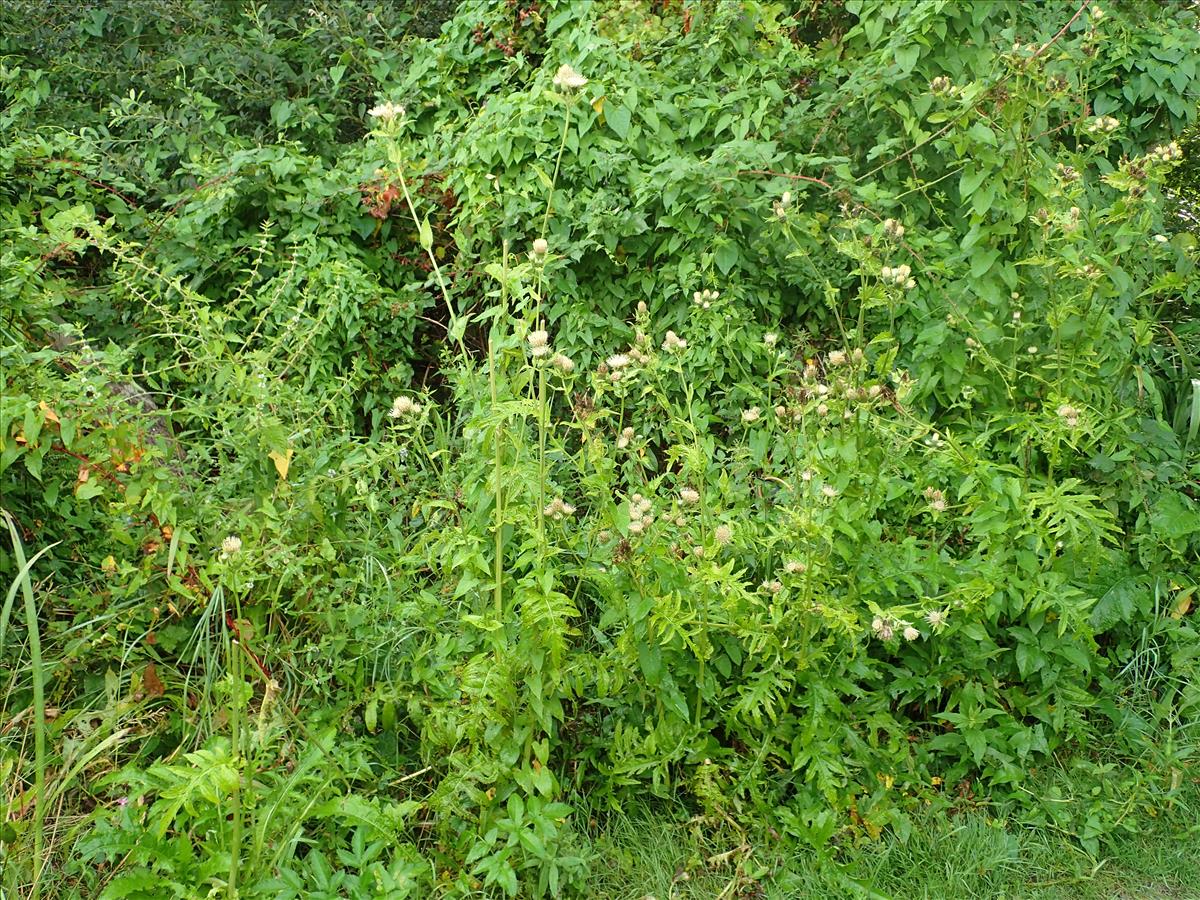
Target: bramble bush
pixel 790 415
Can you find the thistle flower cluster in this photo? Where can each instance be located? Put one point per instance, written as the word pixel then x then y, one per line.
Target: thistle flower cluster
pixel 640 517
pixel 893 229
pixel 1103 125
pixel 936 618
pixel 885 628
pixel 1067 173
pixel 386 112
pixel 688 496
pixel 231 546
pixel 844 390
pixel 751 415
pixel 937 500
pixel 772 585
pixel 538 342
pixel 1069 414
pixel 558 509
pixel 540 248
pixel 723 535
pixel 674 343
pixel 567 79
pixel 898 275
pixel 1167 152
pixel 618 366
pixel 403 407
pixel 704 299
pixel 942 86
pixel 782 205
pixel 792 567
pixel 625 438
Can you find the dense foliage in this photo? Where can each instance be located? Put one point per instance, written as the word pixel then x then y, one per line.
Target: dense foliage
pixel 428 429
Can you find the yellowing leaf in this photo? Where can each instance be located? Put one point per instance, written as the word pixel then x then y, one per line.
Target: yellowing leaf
pixel 283 462
pixel 51 415
pixel 1182 605
pixel 598 104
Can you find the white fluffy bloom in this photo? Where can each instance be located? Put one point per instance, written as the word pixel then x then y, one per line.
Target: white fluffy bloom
pixel 541 247
pixel 689 497
pixel 231 546
pixel 751 415
pixel 568 79
pixel 404 406
pixel 723 535
pixel 911 634
pixel 674 343
pixel 563 363
pixel 386 112
pixel 539 343
pixel 617 361
pixel 558 508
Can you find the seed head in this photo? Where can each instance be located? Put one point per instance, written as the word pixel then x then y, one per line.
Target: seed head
pixel 723 535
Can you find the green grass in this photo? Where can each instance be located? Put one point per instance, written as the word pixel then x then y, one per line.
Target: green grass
pixel 646 854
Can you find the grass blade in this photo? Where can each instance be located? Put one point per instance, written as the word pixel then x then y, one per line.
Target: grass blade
pixel 39 698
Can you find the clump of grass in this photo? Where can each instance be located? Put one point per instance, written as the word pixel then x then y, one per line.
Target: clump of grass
pixel 648 852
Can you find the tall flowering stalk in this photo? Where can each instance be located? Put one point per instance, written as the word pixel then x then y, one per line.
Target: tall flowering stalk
pixel 390 117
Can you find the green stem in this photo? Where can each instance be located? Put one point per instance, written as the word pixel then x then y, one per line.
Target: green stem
pixel 235 729
pixel 542 422
pixel 557 163
pixel 452 327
